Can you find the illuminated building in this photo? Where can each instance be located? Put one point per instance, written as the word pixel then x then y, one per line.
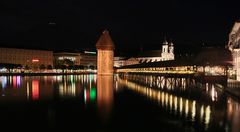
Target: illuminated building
pixel 105 54
pixel 65 58
pixel 26 57
pixel 167 53
pixel 88 59
pixel 234 47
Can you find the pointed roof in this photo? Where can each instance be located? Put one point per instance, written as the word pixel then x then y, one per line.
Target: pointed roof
pixel 171 43
pixel 105 41
pixel 165 43
pixel 165 40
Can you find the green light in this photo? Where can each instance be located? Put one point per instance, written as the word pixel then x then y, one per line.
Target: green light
pixel 89 52
pixel 93 94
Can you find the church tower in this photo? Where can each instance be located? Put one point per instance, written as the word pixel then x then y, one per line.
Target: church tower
pixel 171 51
pixel 165 51
pixel 105 54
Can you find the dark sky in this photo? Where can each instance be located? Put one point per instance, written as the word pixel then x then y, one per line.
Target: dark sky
pixel 77 24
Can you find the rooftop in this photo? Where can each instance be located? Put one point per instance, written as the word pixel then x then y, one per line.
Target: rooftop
pixel 105 41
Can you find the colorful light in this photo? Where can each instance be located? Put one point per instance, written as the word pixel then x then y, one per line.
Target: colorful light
pixel 93 94
pixel 35 89
pixel 4 81
pixel 18 81
pixel 14 81
pixel 35 60
pixel 89 52
pixel 86 95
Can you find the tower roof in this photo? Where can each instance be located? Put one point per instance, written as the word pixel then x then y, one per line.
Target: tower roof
pixel 165 40
pixel 105 41
pixel 171 43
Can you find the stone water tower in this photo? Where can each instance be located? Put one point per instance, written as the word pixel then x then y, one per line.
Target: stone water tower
pixel 105 54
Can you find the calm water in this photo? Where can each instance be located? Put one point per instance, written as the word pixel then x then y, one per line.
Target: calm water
pixel 119 103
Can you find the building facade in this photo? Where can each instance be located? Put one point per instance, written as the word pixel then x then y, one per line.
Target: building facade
pixel 66 58
pixel 167 53
pixel 26 57
pixel 88 59
pixel 234 47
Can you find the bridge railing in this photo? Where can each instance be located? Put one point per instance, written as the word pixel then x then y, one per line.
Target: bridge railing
pixel 160 70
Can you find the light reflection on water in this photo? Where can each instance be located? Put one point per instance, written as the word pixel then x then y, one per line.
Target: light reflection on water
pixel 47 87
pixel 174 104
pixel 105 96
pixel 206 108
pixel 203 105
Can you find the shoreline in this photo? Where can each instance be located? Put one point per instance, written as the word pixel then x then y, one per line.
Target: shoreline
pixel 44 74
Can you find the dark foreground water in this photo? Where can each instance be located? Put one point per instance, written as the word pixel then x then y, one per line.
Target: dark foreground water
pixel 119 103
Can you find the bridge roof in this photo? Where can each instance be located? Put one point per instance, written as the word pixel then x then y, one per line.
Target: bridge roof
pixel 170 63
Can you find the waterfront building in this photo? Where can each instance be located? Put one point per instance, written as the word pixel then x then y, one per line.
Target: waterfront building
pixel 26 57
pixel 166 54
pixel 234 47
pixel 66 58
pixel 88 59
pixel 167 51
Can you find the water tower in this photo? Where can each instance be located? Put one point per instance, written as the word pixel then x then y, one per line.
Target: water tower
pixel 105 54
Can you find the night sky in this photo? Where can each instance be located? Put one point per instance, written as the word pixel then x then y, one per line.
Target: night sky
pixel 77 24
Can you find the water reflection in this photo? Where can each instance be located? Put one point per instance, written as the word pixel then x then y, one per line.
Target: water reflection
pixel 105 96
pixel 233 115
pixel 203 104
pixel 33 88
pixel 175 104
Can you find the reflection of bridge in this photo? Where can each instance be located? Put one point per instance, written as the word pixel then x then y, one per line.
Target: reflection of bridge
pixel 183 106
pixel 162 82
pixel 184 86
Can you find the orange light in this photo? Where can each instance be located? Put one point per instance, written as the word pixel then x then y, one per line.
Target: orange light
pixel 35 89
pixel 35 60
pixel 14 81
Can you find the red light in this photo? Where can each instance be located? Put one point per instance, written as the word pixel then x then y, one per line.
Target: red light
pixel 87 95
pixel 14 81
pixel 35 60
pixel 35 89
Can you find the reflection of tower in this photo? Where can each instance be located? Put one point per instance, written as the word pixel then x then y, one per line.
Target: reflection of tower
pixel 104 96
pixel 105 55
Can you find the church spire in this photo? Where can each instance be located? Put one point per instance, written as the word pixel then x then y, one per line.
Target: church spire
pixel 171 43
pixel 165 40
